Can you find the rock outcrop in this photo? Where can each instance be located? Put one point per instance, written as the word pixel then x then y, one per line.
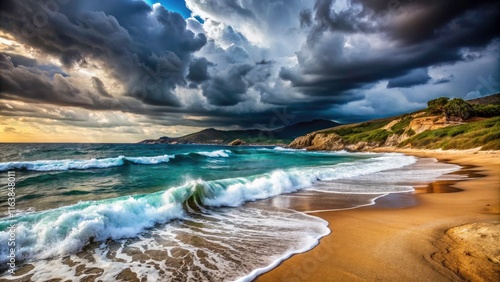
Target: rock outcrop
pixel 421 124
pixel 417 125
pixel 319 141
pixel 471 251
pixel 237 142
pixel 330 141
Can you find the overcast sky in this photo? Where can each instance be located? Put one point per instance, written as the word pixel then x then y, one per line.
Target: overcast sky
pixel 123 70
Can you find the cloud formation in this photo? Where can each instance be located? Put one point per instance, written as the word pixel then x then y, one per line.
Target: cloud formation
pixel 146 49
pixel 341 60
pixel 355 47
pixel 412 78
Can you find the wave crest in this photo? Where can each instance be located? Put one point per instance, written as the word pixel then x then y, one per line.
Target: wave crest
pixel 68 164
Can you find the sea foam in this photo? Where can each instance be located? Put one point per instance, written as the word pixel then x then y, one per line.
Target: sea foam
pixel 217 153
pixel 68 164
pixel 234 192
pixel 67 229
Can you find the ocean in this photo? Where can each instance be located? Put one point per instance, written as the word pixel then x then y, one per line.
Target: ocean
pixel 183 212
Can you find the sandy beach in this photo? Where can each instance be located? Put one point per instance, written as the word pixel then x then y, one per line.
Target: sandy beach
pixel 445 236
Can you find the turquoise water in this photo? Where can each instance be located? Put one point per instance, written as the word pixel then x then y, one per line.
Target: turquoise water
pixel 193 208
pixel 53 175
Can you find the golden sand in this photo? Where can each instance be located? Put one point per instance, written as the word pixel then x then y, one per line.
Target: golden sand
pixel 415 243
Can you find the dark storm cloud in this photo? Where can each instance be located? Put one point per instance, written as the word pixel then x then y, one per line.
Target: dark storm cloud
pixel 421 33
pixel 470 23
pixel 37 85
pixel 34 85
pixel 305 18
pixel 444 80
pixel 198 70
pixel 72 57
pixel 326 85
pixel 100 87
pixel 414 77
pixel 347 20
pixel 264 119
pixel 229 87
pixel 264 62
pixel 139 45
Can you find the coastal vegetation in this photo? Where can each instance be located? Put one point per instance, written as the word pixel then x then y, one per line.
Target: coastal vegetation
pixel 485 134
pixel 458 109
pixel 444 124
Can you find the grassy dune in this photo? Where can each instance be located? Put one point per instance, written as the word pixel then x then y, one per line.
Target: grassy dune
pixel 485 133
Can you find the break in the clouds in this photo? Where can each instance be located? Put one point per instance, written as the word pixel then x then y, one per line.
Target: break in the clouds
pixel 235 64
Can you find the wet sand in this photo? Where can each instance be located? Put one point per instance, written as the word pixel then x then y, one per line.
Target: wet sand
pixel 429 240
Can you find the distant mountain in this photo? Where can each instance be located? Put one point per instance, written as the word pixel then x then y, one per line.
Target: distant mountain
pixel 281 135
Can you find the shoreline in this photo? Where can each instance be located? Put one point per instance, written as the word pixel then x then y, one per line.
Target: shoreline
pixel 381 242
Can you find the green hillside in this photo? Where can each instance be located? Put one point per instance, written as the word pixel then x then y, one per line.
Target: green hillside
pixel 444 124
pixel 485 133
pixel 369 131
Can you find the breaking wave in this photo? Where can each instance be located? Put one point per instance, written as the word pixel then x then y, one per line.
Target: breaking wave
pixel 68 164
